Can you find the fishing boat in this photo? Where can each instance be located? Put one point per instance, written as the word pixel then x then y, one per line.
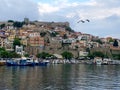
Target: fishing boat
pixel 20 62
pixel 41 62
pixel 11 62
pixel 106 61
pixel 97 60
pixel 2 62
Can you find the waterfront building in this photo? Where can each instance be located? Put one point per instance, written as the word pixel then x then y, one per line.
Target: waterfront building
pixel 9 45
pixel 35 39
pixel 2 41
pixel 19 49
pixel 83 53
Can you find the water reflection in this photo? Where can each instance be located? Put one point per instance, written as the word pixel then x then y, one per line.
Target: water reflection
pixel 60 77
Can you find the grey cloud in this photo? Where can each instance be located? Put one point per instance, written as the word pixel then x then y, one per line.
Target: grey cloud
pixel 18 9
pixel 113 18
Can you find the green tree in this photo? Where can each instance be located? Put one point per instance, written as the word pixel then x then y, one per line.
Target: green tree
pixel 26 55
pixel 67 28
pixel 76 47
pixel 2 25
pixel 116 56
pixel 99 41
pixel 14 55
pixel 10 21
pixel 43 55
pixel 119 56
pixel 53 34
pixel 115 44
pixel 91 56
pixel 18 24
pixel 4 54
pixel 42 34
pixel 98 54
pixel 16 42
pixel 111 40
pixel 2 49
pixel 65 36
pixel 7 54
pixel 88 50
pixel 47 41
pixel 67 55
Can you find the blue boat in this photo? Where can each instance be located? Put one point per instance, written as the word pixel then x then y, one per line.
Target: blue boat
pixel 39 62
pixel 11 63
pixel 21 62
pixel 42 63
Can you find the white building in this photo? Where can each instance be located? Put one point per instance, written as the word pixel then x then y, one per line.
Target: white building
pixel 83 53
pixel 19 50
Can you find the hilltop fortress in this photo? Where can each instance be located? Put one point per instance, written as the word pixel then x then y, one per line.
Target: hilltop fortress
pixel 52 37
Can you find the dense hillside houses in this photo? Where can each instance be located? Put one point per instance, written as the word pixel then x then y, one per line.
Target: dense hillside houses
pixel 52 37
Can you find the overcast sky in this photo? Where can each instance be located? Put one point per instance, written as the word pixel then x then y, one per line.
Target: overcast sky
pixel 104 15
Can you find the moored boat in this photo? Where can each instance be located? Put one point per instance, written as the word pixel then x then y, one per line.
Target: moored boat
pixel 41 62
pixel 2 62
pixel 98 60
pixel 106 61
pixel 20 62
pixel 11 62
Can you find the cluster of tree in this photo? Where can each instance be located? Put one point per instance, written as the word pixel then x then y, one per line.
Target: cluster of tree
pixel 43 55
pixel 111 40
pixel 65 36
pixel 65 55
pixel 96 54
pixel 2 26
pixel 10 21
pixel 16 42
pixel 115 44
pixel 53 34
pixel 98 40
pixel 67 28
pixel 116 56
pixel 26 55
pixel 18 24
pixel 42 34
pixel 8 54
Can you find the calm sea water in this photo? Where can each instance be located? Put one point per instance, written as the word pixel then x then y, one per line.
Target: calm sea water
pixel 60 77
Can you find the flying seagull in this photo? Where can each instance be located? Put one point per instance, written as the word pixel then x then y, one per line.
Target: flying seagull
pixel 81 21
pixel 88 20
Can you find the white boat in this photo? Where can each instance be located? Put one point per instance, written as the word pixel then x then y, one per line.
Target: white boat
pixel 98 60
pixel 2 62
pixel 106 61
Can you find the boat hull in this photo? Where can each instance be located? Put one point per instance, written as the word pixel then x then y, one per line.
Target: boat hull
pixel 42 63
pixel 19 63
